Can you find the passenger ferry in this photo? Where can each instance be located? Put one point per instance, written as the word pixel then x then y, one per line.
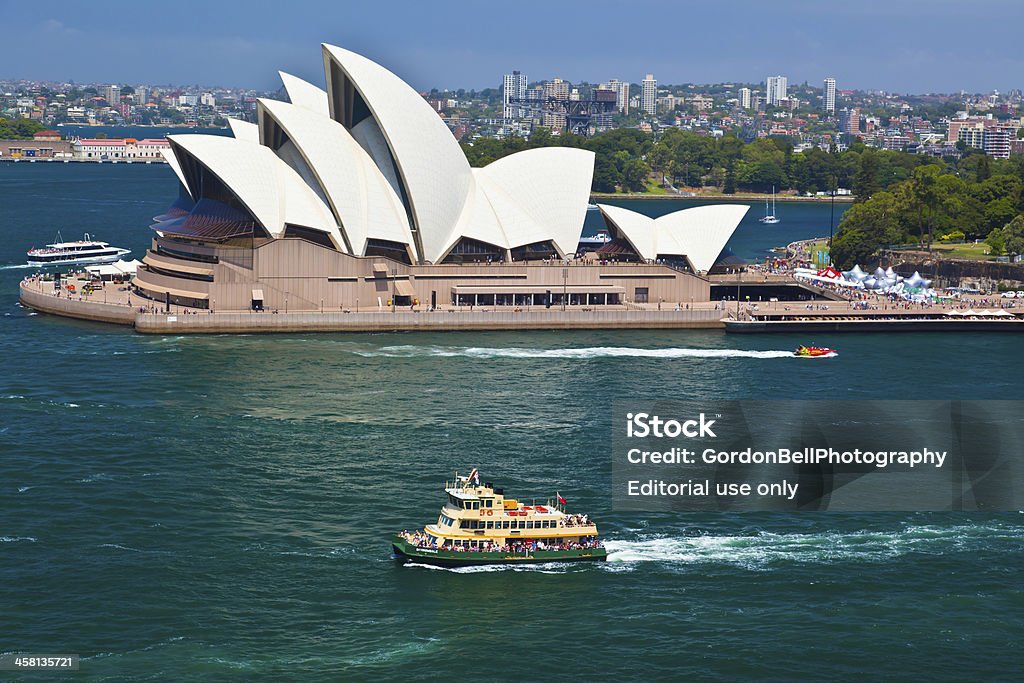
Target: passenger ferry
pixel 84 251
pixel 478 525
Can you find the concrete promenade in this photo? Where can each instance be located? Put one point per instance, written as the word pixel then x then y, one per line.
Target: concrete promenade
pixel 405 320
pixel 115 304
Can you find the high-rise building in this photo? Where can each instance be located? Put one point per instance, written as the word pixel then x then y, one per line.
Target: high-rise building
pixel 112 94
pixel 745 98
pixel 557 89
pixel 849 121
pixel 830 95
pixel 776 89
pixel 141 95
pixel 996 141
pixel 621 94
pixel 513 87
pixel 649 96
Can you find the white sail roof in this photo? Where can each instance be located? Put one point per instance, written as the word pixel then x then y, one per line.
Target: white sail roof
pixel 636 228
pixel 243 130
pixel 271 190
pixel 552 186
pixel 304 94
pixel 370 159
pixel 699 233
pixel 364 202
pixel 172 161
pixel 433 169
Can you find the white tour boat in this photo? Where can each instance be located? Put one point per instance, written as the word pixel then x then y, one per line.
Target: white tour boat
pixel 86 250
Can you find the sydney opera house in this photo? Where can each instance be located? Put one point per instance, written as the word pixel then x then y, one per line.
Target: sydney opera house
pixel 359 196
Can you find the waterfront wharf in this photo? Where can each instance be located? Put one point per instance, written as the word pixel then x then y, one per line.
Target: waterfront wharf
pixel 114 302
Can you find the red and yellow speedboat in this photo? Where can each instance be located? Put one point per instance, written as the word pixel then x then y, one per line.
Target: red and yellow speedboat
pixel 813 351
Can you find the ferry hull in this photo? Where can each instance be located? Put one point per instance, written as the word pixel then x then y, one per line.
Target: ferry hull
pixel 92 260
pixel 406 552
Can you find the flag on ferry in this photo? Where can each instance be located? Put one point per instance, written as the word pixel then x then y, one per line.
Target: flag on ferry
pixel 474 476
pixel 560 499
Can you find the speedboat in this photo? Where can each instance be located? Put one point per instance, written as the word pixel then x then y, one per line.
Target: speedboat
pixel 814 352
pixel 86 250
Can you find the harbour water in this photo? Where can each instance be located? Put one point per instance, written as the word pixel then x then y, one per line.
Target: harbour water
pixel 219 506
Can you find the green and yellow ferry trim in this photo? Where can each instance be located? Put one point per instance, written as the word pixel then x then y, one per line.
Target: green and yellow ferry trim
pixel 478 525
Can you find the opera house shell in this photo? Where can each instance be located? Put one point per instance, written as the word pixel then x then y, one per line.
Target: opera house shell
pixel 359 195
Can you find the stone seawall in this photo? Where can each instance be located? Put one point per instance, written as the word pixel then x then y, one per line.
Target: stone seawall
pixel 73 308
pixel 887 326
pixel 205 323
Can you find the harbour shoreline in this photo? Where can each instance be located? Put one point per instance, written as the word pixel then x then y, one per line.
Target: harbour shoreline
pixel 149 317
pixel 718 197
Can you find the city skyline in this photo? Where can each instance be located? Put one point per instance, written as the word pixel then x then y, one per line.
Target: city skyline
pixel 431 49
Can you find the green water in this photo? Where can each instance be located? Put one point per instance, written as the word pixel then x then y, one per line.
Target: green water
pixel 219 507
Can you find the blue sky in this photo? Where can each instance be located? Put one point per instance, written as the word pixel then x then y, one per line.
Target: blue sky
pixel 900 45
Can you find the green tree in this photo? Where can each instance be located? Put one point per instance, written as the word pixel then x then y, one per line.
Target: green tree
pixel 606 175
pixel 868 226
pixel 982 171
pixel 866 182
pixel 1008 239
pixel 730 180
pixel 634 176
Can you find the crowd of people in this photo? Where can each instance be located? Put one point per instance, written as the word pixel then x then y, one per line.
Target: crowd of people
pixel 421 539
pixel 574 520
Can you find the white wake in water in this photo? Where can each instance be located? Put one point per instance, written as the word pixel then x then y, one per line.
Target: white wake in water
pixel 19 266
pixel 579 353
pixel 766 549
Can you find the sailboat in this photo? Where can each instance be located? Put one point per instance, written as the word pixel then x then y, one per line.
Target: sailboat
pixel 770 218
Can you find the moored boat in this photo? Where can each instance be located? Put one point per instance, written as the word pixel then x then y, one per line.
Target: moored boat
pixel 769 218
pixel 478 525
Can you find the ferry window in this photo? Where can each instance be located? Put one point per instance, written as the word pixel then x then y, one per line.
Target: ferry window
pixel 490 525
pixel 476 504
pixel 488 502
pixel 505 524
pixel 529 525
pixel 522 524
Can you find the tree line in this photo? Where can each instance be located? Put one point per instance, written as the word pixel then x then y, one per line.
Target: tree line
pixel 975 198
pixel 19 129
pixel 630 160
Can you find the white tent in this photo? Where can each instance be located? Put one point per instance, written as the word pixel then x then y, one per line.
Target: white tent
pixel 118 268
pixel 855 274
pixel 915 281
